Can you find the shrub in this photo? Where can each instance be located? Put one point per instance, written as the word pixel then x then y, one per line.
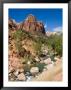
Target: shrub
pixel 55 42
pixel 40 66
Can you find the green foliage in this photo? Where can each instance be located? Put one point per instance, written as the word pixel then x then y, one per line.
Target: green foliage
pixel 26 68
pixel 52 57
pixel 37 47
pixel 39 41
pixel 40 66
pixel 18 36
pixel 55 42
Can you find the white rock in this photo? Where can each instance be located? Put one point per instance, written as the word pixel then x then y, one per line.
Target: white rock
pixel 28 62
pixel 44 69
pixel 37 59
pixel 9 74
pixel 21 77
pixel 56 58
pixel 41 61
pixel 52 62
pixel 50 66
pixel 45 52
pixel 16 73
pixel 34 70
pixel 47 61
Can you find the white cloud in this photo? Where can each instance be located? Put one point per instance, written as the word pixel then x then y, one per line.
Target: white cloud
pixel 57 29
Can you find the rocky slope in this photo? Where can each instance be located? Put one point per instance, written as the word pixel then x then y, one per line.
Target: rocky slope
pixel 29 54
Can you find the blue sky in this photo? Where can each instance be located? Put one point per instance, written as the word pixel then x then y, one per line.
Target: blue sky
pixel 51 18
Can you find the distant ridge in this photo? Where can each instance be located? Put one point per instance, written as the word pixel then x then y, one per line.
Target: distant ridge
pixel 30 24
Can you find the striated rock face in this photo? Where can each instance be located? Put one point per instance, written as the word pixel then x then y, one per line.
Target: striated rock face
pixel 30 24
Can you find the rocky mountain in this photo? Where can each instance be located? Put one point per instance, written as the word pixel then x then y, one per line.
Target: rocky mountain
pixel 30 24
pixel 49 33
pixel 28 51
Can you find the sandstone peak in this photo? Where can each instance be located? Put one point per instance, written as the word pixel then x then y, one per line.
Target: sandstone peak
pixel 31 18
pixel 30 24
